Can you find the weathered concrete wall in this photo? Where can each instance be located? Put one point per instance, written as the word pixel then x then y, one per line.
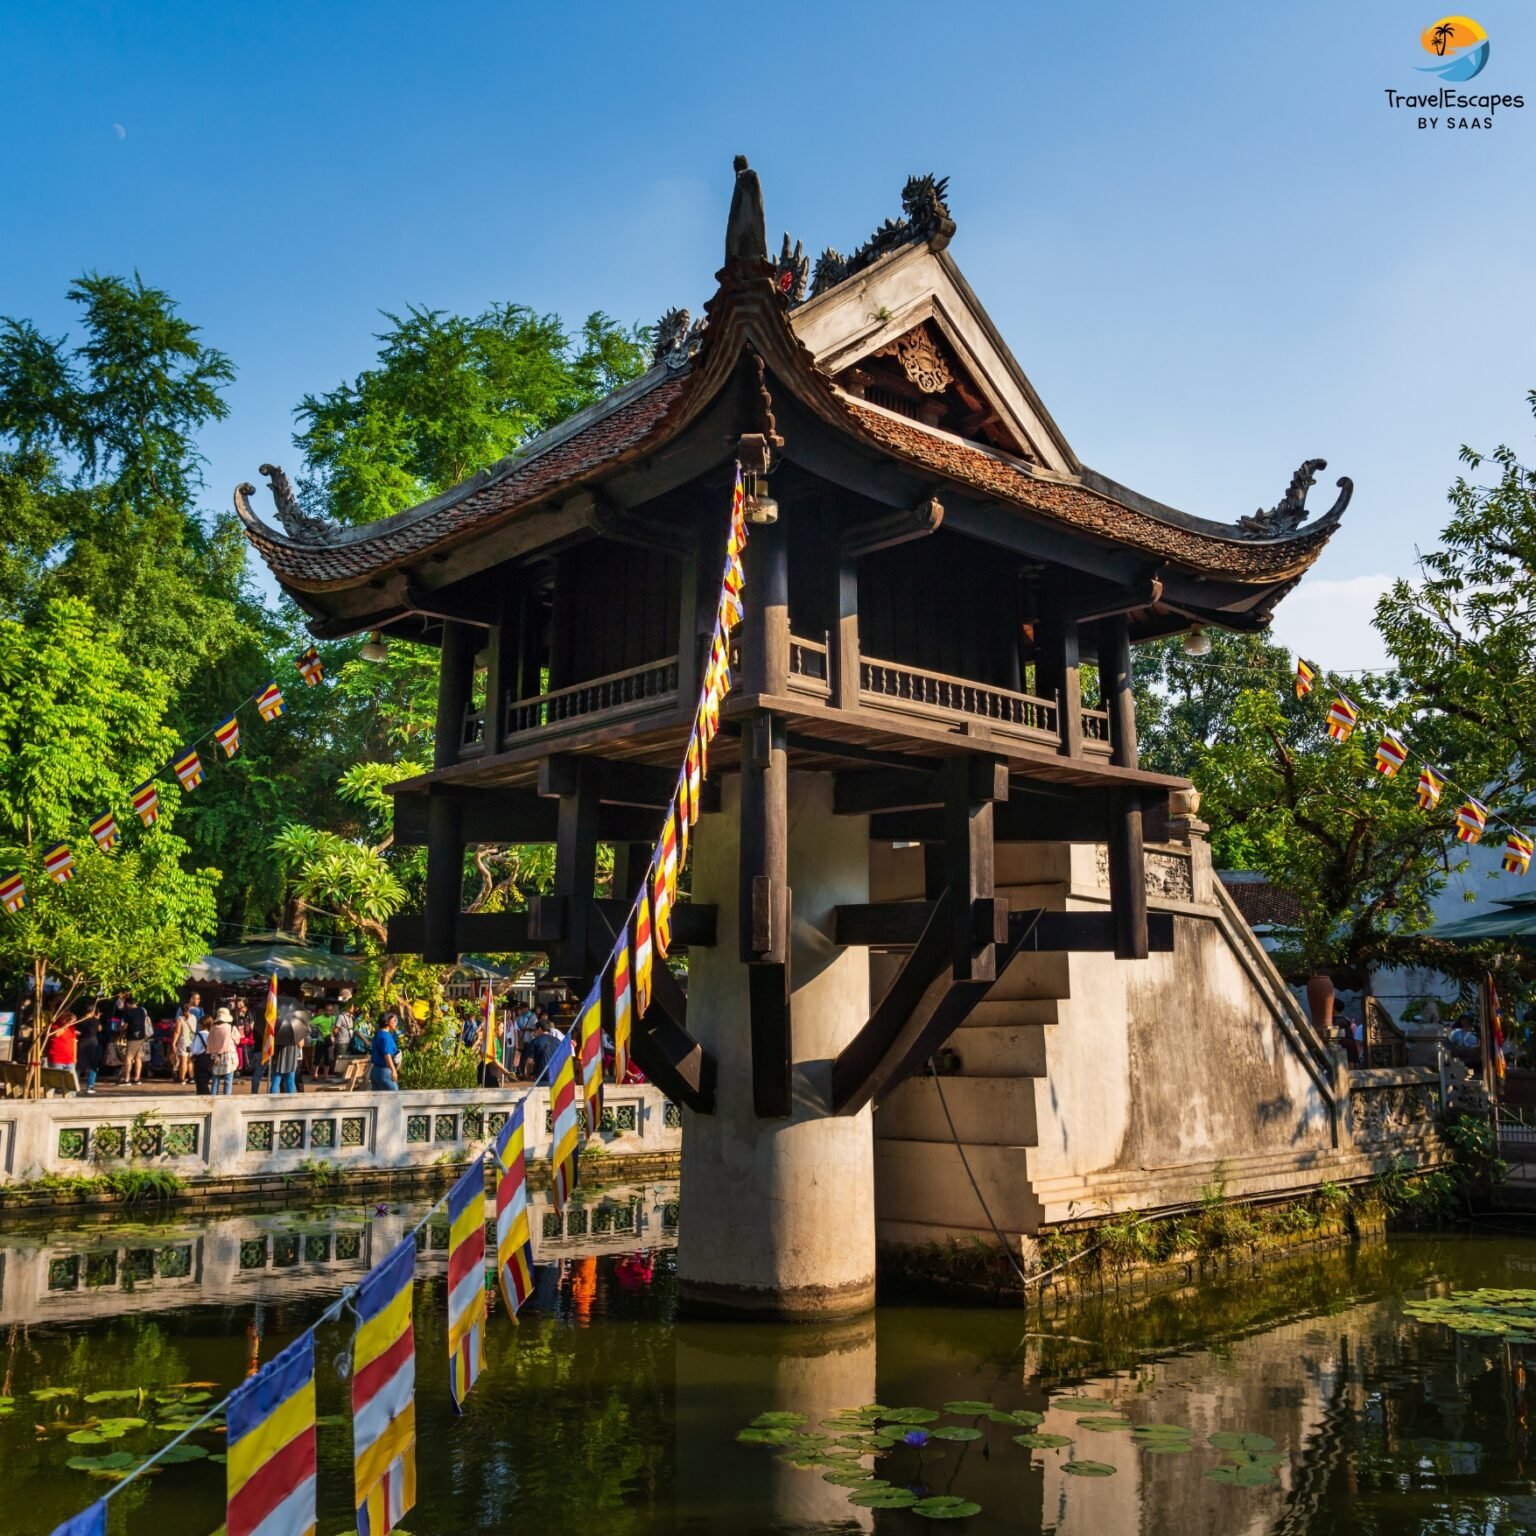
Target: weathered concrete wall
pixel 1085 1085
pixel 790 1202
pixel 251 1135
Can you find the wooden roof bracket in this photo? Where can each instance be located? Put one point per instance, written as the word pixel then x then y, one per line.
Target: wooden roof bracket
pixel 898 528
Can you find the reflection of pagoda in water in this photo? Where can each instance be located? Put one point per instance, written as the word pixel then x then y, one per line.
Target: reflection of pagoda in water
pixel 50 1277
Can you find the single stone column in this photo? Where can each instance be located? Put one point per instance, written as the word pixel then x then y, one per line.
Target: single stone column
pixel 778 1215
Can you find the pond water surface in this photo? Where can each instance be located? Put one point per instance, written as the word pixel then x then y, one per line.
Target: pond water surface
pixel 600 1412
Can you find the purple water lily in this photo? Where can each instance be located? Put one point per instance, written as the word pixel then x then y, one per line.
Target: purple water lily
pixel 915 1437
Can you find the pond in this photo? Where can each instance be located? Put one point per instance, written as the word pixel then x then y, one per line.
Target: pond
pixel 1303 1397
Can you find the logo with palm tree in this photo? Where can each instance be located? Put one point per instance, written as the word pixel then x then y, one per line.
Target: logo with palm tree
pixel 1458 45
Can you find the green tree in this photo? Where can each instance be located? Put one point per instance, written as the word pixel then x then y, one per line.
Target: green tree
pixel 80 727
pixel 451 395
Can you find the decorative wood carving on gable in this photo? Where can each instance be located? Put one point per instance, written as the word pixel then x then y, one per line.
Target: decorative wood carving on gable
pixel 921 360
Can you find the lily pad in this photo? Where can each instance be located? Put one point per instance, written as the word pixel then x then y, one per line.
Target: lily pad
pixel 182 1452
pixel 121 1424
pixel 883 1498
pixel 1241 1477
pixel 779 1421
pixel 1103 1423
pixel 1181 1431
pixel 88 1437
pixel 1167 1445
pixel 1042 1442
pixel 1081 1405
pixel 113 1461
pixel 758 1436
pixel 1232 1440
pixel 6 1408
pixel 1025 1416
pixel 956 1432
pixel 945 1507
pixel 910 1415
pixel 1089 1468
pixel 853 1477
pixel 968 1406
pixel 116 1395
pixel 49 1394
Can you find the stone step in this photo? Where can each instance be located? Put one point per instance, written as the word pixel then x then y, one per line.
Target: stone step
pixel 928 1184
pixel 987 1111
pixel 1001 1050
pixel 1032 975
pixel 1015 1011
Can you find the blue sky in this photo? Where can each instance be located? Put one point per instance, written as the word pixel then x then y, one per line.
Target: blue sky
pixel 1211 244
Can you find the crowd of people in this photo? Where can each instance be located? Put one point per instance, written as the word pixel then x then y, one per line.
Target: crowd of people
pixel 116 1040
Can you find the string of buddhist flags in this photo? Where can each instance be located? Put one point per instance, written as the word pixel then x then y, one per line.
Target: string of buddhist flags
pixel 271 1417
pixel 187 765
pixel 1392 753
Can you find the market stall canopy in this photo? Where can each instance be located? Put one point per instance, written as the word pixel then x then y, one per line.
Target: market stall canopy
pixel 214 968
pixel 283 955
pixel 480 970
pixel 1514 917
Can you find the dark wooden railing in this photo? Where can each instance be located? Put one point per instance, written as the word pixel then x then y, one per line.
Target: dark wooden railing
pixel 1096 731
pixel 913 690
pixel 634 691
pixel 809 669
pixel 473 732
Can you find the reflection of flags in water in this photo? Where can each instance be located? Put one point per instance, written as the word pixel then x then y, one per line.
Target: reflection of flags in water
pixel 270 702
pixel 1517 853
pixel 1470 821
pixel 1391 754
pixel 104 830
pixel 514 1234
pixel 564 1131
pixel 189 769
pixel 1430 786
pixel 384 1394
pixel 466 1282
pixel 1341 718
pixel 146 801
pixel 270 1463
pixel 13 892
pixel 60 863
pixel 227 735
pixel 89 1522
pixel 1305 676
pixel 623 1007
pixel 589 1038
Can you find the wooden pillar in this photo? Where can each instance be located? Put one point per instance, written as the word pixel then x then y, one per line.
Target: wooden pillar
pixel 501 667
pixel 764 910
pixel 444 893
pixel 689 603
pixel 845 638
pixel 968 864
pixel 530 643
pixel 765 630
pixel 562 626
pixel 1116 680
pixel 1061 672
pixel 630 863
pixel 455 685
pixel 575 880
pixel 1127 876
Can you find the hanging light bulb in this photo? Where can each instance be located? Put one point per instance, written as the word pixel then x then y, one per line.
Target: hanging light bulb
pixel 1197 642
pixel 759 506
pixel 374 647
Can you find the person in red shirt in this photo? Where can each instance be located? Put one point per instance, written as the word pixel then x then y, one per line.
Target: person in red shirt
pixel 63 1045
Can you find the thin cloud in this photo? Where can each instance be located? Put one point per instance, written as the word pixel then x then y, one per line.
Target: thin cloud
pixel 119 130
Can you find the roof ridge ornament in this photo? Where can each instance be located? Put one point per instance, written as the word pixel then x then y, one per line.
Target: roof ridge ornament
pixel 1290 512
pixel 746 231
pixel 301 527
pixel 926 220
pixel 676 340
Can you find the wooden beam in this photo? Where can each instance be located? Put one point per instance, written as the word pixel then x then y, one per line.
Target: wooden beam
pixel 618 783
pixel 455 682
pixel 623 527
pixel 1079 817
pixel 881 924
pixel 1042 930
pixel 1112 605
pixel 969 868
pixel 513 816
pixel 764 862
pixel 1128 877
pixel 455 609
pixel 668 1055
pixel 899 789
pixel 474 933
pixel 897 528
pixel 444 893
pixel 695 924
pixel 765 629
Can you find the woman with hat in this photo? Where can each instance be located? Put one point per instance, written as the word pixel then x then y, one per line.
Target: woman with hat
pixel 223 1051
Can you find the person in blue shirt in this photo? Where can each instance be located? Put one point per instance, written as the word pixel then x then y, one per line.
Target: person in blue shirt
pixel 384 1071
pixel 537 1057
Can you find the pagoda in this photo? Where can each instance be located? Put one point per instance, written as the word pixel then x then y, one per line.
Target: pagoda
pixel 933 673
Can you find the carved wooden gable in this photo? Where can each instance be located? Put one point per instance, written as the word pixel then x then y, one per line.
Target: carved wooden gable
pixel 908 335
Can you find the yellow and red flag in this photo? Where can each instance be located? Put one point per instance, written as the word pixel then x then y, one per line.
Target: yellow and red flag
pixel 146 801
pixel 269 1016
pixel 104 830
pixel 643 950
pixel 695 774
pixel 623 1007
pixel 564 1129
pixel 270 1465
pixel 1306 675
pixel 466 1282
pixel 13 892
pixel 1391 754
pixel 227 734
pixel 189 769
pixel 514 1234
pixel 589 1041
pixel 1341 718
pixel 270 701
pixel 384 1394
pixel 680 804
pixel 60 863
pixel 1430 786
pixel 488 1051
pixel 1517 853
pixel 1471 819
pixel 311 668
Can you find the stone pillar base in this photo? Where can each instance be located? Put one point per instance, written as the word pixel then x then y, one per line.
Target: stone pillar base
pixel 757 1304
